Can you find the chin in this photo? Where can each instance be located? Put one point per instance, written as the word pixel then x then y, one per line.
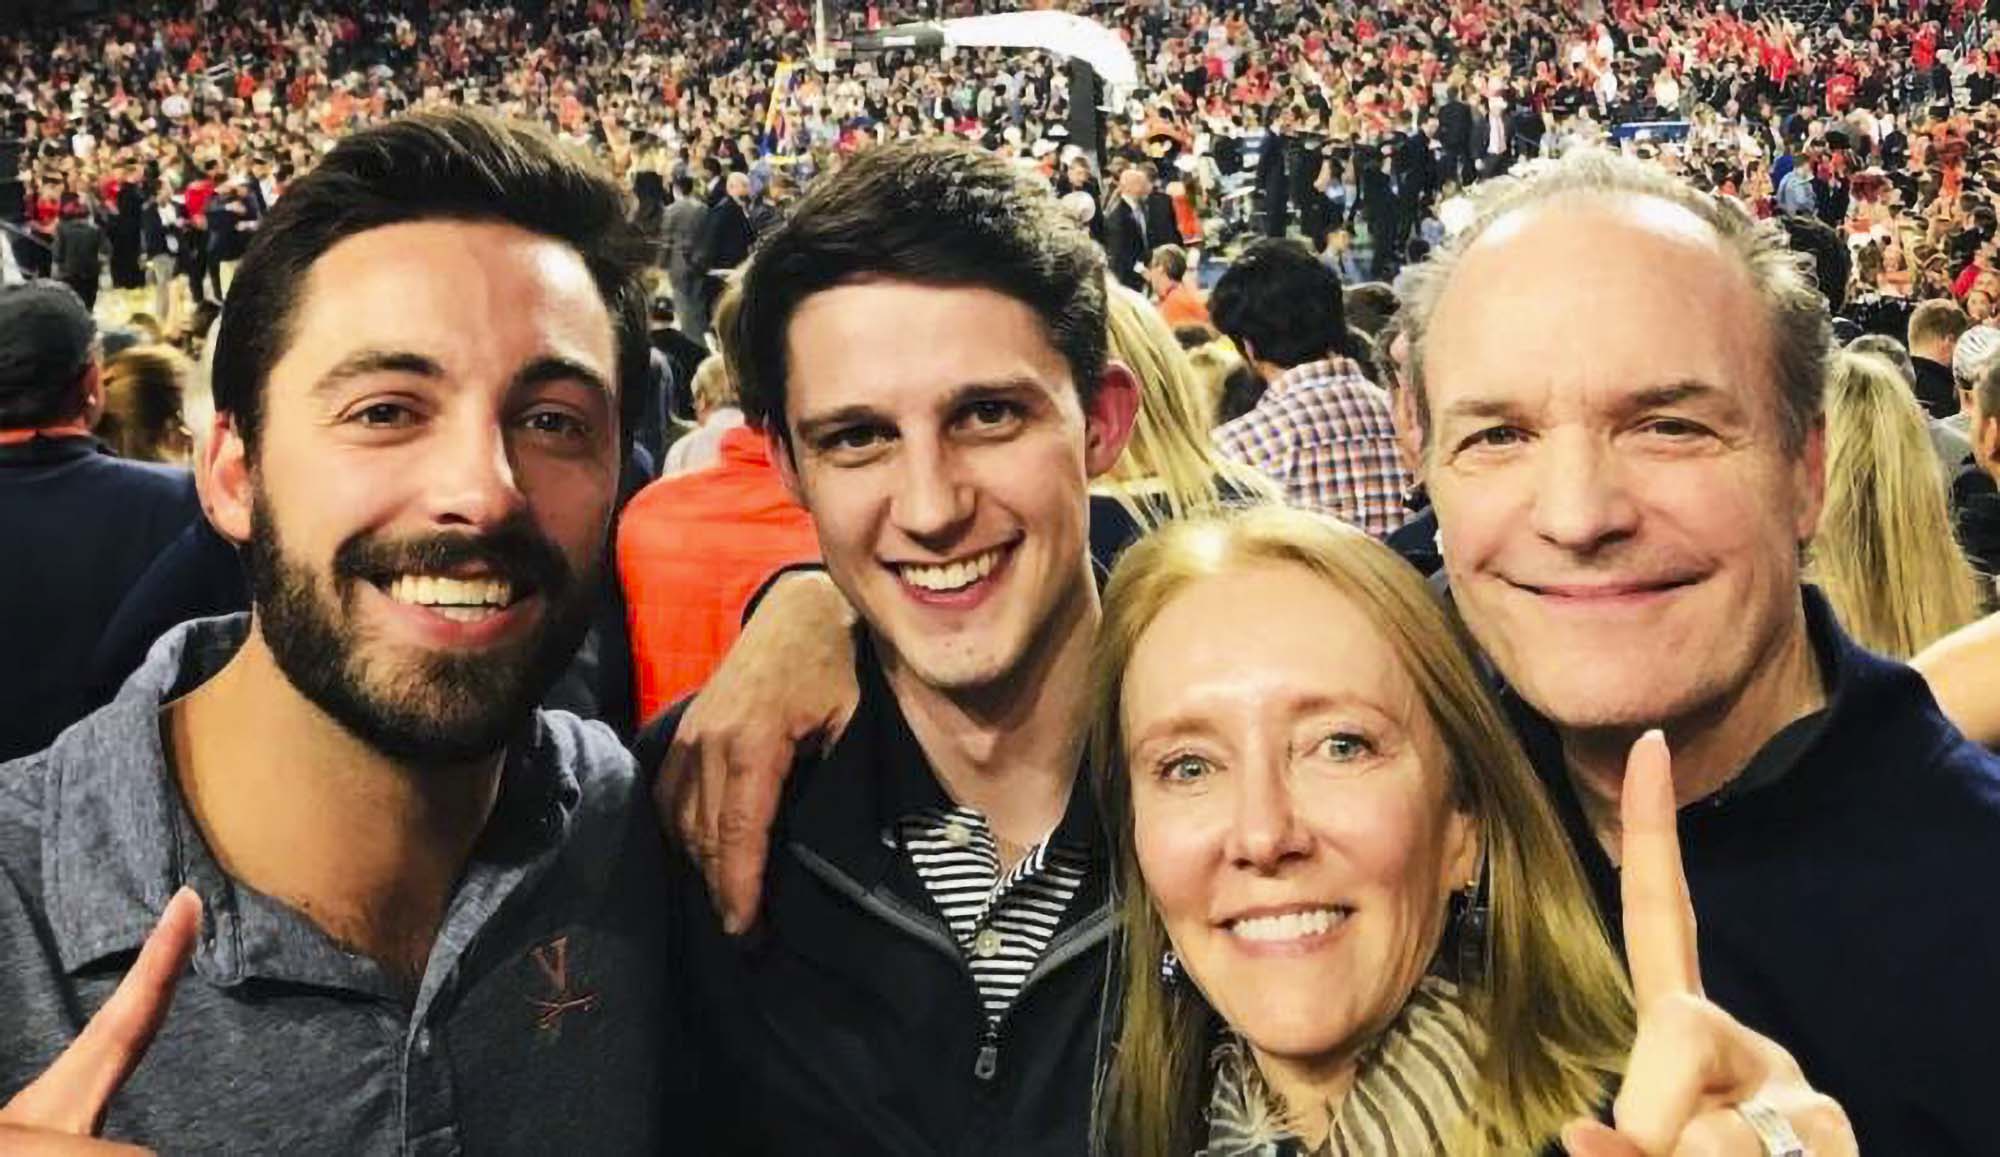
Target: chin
pixel 1620 697
pixel 961 672
pixel 1302 1033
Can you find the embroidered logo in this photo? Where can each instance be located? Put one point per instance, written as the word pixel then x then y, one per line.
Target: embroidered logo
pixel 553 959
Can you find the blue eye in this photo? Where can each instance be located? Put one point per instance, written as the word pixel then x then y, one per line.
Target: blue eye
pixel 1496 437
pixel 1183 768
pixel 1346 747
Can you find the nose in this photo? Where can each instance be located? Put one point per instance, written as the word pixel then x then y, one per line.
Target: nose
pixel 1582 500
pixel 469 474
pixel 933 503
pixel 1266 830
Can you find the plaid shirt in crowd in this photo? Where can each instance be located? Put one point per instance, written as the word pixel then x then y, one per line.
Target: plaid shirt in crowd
pixel 1322 432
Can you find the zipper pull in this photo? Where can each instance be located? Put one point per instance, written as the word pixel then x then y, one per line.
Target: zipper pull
pixel 988 1062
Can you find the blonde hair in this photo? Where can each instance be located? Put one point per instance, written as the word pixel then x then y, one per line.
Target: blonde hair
pixel 1212 363
pixel 711 386
pixel 143 391
pixel 1885 554
pixel 1552 1000
pixel 1169 453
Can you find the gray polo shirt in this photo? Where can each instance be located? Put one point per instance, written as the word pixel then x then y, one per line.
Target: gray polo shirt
pixel 545 1021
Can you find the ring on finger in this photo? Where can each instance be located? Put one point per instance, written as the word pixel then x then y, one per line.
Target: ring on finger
pixel 1771 1127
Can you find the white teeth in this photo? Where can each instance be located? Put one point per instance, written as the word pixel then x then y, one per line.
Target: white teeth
pixel 1291 925
pixel 443 594
pixel 951 576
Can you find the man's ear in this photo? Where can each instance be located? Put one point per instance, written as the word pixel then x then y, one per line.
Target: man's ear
pixel 91 387
pixel 1409 431
pixel 226 484
pixel 1812 482
pixel 1987 440
pixel 1109 417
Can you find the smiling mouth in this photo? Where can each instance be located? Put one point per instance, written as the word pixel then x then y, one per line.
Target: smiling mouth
pixel 952 577
pixel 1603 592
pixel 462 600
pixel 1279 927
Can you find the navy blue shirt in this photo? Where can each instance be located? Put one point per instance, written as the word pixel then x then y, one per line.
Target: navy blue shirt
pixel 80 527
pixel 1844 888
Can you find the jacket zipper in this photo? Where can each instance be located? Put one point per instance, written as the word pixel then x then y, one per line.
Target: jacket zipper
pixel 1073 942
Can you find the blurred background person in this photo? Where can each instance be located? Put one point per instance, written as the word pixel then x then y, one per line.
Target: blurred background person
pixel 1170 468
pixel 142 419
pixel 1884 553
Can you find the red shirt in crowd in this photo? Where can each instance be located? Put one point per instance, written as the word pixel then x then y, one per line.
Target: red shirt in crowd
pixel 198 193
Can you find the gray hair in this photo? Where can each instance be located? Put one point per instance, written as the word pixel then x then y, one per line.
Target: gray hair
pixel 1801 330
pixel 1889 350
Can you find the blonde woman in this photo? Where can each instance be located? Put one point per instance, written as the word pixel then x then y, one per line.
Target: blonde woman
pixel 1352 923
pixel 1170 468
pixel 1885 554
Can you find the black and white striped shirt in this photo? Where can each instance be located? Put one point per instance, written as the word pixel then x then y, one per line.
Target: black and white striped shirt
pixel 1003 922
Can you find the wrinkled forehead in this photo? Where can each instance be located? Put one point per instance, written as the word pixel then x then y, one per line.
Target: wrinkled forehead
pixel 1599 291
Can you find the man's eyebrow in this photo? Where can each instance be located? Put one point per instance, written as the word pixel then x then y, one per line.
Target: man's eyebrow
pixel 1675 392
pixel 1482 408
pixel 364 363
pixel 540 371
pixel 556 368
pixel 994 388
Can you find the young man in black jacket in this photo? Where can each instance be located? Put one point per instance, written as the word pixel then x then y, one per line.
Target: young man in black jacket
pixel 929 970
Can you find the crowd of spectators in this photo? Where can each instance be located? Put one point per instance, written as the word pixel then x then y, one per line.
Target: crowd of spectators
pixel 171 128
pixel 154 140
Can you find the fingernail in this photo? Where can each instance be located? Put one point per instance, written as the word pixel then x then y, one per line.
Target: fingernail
pixel 732 924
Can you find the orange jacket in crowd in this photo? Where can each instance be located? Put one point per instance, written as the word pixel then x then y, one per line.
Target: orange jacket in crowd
pixel 1183 306
pixel 692 551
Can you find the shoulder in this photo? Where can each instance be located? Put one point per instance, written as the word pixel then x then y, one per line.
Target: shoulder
pixel 1943 772
pixel 24 787
pixel 1250 427
pixel 167 485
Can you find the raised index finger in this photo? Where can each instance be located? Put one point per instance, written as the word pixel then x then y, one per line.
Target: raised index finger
pixel 1659 917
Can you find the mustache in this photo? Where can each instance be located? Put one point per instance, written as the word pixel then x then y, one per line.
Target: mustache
pixel 514 551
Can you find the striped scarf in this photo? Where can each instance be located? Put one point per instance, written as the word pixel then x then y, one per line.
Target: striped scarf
pixel 1412 1092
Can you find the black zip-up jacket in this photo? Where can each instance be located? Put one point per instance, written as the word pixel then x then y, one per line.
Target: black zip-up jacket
pixel 848 1020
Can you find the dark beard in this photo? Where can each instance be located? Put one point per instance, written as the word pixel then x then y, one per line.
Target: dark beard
pixel 429 708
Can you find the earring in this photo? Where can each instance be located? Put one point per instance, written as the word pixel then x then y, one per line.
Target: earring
pixel 1170 969
pixel 1471 922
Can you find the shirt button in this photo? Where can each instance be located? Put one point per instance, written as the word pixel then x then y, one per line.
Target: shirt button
pixel 424 1042
pixel 986 945
pixel 957 834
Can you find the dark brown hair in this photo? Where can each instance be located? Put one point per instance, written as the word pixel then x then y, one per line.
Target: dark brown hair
pixel 450 164
pixel 935 212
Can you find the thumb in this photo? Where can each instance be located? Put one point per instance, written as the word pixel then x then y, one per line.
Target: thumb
pixel 71 1094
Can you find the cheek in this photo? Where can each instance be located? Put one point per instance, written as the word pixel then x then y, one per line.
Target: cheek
pixel 1175 849
pixel 1389 839
pixel 1723 510
pixel 846 506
